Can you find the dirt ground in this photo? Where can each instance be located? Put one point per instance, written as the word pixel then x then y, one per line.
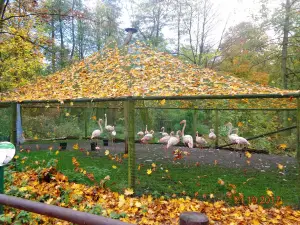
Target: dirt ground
pixel 155 153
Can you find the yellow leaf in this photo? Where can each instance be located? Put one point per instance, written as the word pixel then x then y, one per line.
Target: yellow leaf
pixel 280 166
pixel 138 204
pixel 56 153
pixel 87 153
pixel 16 157
pixel 106 152
pixel 211 196
pixel 283 146
pixel 149 171
pixel 114 167
pixel 289 119
pixel 240 124
pixel 162 102
pixel 35 137
pixel 128 191
pixel 167 171
pixel 23 189
pixel 71 103
pixel 153 165
pixel 255 222
pixel 248 154
pixel 67 114
pixel 75 146
pixel 94 118
pixel 270 193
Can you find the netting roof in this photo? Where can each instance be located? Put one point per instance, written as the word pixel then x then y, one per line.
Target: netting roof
pixel 114 73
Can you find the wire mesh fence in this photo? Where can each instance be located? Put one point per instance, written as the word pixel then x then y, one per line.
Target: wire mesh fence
pixel 265 172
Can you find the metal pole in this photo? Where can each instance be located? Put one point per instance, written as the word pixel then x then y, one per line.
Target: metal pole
pixel 129 123
pixel 191 97
pixel 13 137
pixel 70 215
pixel 216 128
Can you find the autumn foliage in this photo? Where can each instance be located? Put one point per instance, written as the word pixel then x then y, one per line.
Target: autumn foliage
pixel 144 72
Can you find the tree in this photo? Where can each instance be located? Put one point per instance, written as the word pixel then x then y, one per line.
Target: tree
pixel 20 55
pixel 245 52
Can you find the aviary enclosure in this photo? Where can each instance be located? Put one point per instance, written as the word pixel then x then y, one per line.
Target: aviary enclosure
pixel 147 88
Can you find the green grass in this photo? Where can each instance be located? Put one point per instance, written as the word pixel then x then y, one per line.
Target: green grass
pixel 179 180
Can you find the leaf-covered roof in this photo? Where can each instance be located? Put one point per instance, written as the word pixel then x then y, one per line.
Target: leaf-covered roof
pixel 142 72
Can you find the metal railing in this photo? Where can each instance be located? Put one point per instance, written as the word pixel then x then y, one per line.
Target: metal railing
pixel 83 218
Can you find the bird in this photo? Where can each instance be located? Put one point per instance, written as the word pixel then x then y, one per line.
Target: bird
pixel 109 128
pixel 146 131
pixel 148 137
pixel 173 140
pixel 241 142
pixel 186 139
pixel 165 140
pixel 200 140
pixel 97 133
pixel 212 135
pixel 140 134
pixel 163 133
pixel 232 137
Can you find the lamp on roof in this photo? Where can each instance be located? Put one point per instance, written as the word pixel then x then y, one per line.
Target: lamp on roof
pixel 129 31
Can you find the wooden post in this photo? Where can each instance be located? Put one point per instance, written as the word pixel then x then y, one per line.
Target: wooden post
pixel 193 218
pixel 298 130
pixel 129 127
pixel 85 122
pixel 195 122
pixel 216 128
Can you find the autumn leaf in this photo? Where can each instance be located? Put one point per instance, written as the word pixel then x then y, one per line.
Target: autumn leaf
pixel 35 137
pixel 57 152
pixel 75 146
pixel 240 124
pixel 149 171
pixel 128 191
pixel 16 157
pixel 270 193
pixel 153 165
pixel 280 166
pixel 221 182
pixel 283 146
pixel 167 171
pixel 67 114
pixel 162 102
pixel 106 152
pixel 211 196
pixel 248 155
pixel 50 148
pixel 94 118
pixel 114 166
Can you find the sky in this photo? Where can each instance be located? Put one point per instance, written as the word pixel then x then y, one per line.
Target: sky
pixel 237 10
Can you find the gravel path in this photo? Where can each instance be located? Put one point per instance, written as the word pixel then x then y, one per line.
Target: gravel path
pixel 155 153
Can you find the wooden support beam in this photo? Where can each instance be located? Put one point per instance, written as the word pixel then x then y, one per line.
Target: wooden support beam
pixel 195 118
pixel 129 114
pixel 216 128
pixel 298 130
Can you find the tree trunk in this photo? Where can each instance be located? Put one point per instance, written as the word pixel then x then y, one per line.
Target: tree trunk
pixel 62 46
pixel 285 45
pixel 178 28
pixel 53 44
pixel 73 32
pixel 203 33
